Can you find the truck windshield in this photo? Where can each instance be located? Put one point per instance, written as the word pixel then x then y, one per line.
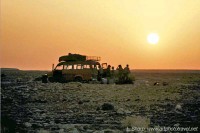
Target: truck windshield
pixel 59 67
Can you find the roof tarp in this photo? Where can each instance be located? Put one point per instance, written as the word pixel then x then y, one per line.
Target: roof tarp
pixel 72 57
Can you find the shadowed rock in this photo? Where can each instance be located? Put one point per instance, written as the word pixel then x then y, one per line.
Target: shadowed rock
pixel 165 83
pixel 107 106
pixel 3 75
pixel 156 83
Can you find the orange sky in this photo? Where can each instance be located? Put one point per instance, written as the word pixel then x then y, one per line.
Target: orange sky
pixel 34 33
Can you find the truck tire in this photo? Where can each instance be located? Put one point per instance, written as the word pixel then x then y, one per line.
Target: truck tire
pixel 78 79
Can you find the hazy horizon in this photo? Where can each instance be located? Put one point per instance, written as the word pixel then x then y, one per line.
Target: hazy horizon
pixel 130 69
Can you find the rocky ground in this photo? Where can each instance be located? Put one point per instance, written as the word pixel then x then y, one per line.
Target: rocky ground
pixel 156 99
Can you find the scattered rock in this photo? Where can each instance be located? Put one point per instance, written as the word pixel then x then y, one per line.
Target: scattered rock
pixel 128 100
pixel 80 102
pixel 121 111
pixel 79 85
pixel 83 101
pixel 156 84
pixel 86 101
pixel 138 99
pixel 61 131
pixel 38 79
pixel 35 89
pixel 98 108
pixel 136 121
pixel 43 131
pixel 107 106
pixel 106 131
pixel 19 80
pixel 90 131
pixel 178 107
pixel 177 125
pixel 53 107
pixel 27 124
pixel 165 83
pixel 66 126
pixel 3 75
pixel 85 127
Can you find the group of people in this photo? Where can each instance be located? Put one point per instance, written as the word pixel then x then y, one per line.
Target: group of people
pixel 123 74
pixel 120 74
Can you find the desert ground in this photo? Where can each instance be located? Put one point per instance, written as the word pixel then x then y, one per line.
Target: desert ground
pixel 157 99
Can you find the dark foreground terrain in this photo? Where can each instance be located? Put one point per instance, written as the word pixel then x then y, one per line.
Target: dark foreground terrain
pixel 157 99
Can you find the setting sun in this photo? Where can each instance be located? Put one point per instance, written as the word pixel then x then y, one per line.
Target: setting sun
pixel 153 38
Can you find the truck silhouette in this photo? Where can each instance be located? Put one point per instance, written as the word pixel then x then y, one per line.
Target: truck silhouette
pixel 80 68
pixel 75 67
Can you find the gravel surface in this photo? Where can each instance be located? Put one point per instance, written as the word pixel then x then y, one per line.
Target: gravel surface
pixel 156 99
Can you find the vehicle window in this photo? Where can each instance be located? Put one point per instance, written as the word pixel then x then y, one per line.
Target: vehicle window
pixel 79 66
pixel 59 67
pixel 86 66
pixel 75 66
pixel 65 66
pixel 68 67
pixel 93 66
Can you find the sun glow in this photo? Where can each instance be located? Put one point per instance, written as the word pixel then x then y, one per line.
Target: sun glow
pixel 153 38
pixel 47 29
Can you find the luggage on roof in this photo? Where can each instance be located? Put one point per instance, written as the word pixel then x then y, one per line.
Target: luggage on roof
pixel 72 57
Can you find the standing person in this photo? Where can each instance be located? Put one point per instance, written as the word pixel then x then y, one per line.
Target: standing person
pixel 126 72
pixel 100 73
pixel 112 75
pixel 112 72
pixel 108 74
pixel 120 74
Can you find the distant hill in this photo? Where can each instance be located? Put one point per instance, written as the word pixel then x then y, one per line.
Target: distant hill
pixel 9 69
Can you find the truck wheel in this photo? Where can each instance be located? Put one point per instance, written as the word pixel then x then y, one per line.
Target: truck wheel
pixel 78 79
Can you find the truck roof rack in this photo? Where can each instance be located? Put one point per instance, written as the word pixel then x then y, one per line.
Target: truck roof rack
pixel 78 57
pixel 93 58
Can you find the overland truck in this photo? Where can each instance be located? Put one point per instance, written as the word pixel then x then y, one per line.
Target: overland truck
pixel 81 68
pixel 74 67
